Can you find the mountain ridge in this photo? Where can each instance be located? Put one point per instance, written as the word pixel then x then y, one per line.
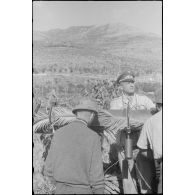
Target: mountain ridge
pixel 117 42
pixel 92 30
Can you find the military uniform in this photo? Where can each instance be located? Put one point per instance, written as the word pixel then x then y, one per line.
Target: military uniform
pixel 151 139
pixel 136 102
pixel 151 135
pixel 74 161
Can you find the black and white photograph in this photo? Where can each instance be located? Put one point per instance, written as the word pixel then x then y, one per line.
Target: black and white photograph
pixel 97 86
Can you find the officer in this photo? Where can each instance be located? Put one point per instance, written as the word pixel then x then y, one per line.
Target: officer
pixel 137 102
pixel 150 144
pixel 74 162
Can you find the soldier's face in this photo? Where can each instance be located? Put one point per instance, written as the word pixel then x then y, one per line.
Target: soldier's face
pixel 128 86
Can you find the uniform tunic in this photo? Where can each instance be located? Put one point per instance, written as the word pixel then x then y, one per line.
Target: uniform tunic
pixel 151 138
pixel 151 135
pixel 137 102
pixel 74 160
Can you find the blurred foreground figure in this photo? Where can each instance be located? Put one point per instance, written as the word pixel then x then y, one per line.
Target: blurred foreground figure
pixel 74 162
pixel 137 102
pixel 150 144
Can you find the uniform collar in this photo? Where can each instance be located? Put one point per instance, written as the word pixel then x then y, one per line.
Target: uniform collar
pixel 126 98
pixel 82 121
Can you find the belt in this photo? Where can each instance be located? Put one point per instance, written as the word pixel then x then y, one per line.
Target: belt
pixel 73 185
pixel 65 188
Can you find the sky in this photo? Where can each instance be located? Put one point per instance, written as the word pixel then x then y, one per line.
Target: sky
pixel 144 15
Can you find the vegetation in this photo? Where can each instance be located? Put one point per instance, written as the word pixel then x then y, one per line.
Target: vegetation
pixel 63 91
pixel 69 89
pixel 102 68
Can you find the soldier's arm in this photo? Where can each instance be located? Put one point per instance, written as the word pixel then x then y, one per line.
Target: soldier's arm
pixel 96 169
pixel 113 105
pixel 143 141
pixel 143 138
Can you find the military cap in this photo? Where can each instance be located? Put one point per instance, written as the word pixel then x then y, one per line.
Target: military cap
pixel 125 76
pixel 158 96
pixel 86 104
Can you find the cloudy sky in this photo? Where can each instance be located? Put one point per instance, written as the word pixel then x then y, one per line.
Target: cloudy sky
pixel 63 14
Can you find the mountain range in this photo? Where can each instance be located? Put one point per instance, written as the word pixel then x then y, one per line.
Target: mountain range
pixel 98 42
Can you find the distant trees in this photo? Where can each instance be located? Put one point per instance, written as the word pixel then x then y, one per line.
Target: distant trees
pixel 70 91
pixel 102 67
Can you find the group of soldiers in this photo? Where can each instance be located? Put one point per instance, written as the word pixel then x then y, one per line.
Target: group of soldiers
pixel 74 162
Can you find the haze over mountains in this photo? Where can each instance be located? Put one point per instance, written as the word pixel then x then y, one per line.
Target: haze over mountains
pixel 118 43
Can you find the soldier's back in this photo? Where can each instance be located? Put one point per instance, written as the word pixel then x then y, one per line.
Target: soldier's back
pixel 73 150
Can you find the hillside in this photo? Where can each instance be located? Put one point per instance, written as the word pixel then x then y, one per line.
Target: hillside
pixel 104 46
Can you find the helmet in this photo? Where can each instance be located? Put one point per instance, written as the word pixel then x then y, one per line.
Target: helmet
pixel 86 104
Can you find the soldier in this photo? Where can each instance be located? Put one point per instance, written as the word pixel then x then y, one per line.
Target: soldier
pixel 137 102
pixel 150 144
pixel 74 161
